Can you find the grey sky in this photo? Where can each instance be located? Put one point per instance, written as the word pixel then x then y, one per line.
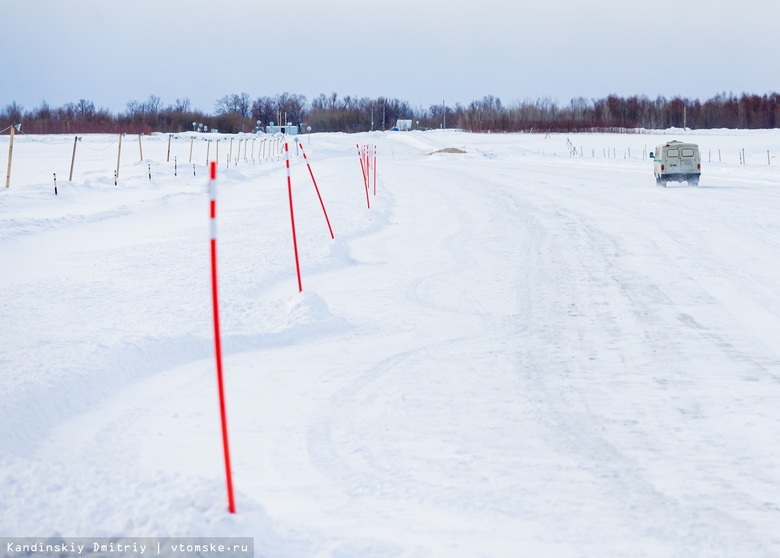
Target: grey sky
pixel 112 52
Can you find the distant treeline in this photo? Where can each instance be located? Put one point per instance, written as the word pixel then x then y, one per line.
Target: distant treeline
pixel 331 113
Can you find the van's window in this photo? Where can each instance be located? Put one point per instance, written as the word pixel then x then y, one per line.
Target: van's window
pixel 687 152
pixel 673 152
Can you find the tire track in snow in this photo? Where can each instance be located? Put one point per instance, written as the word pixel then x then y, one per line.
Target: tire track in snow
pixel 599 329
pixel 640 326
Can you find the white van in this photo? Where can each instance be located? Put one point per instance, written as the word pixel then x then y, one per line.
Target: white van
pixel 677 161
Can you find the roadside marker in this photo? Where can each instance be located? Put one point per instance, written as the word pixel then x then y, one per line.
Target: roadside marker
pixel 365 175
pixel 292 215
pixel 217 340
pixel 316 188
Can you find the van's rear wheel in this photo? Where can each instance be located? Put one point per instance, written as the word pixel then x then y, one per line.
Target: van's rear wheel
pixel 694 181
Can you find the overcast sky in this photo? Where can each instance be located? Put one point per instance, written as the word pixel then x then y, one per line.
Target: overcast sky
pixel 421 51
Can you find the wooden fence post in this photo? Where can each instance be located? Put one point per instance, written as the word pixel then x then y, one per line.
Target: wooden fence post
pixel 118 158
pixel 10 156
pixel 73 159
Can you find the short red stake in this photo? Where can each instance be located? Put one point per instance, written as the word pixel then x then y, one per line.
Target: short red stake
pixel 365 176
pixel 217 342
pixel 305 158
pixel 292 215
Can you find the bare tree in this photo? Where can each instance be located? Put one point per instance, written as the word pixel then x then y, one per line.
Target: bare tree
pixel 292 106
pixel 153 105
pixel 182 105
pixel 234 104
pixel 85 108
pixel 264 109
pixel 13 112
pixel 242 104
pixel 43 112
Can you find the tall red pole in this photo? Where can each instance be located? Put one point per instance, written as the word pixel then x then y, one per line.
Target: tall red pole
pixel 367 159
pixel 292 215
pixel 217 341
pixel 365 176
pixel 305 158
pixel 375 170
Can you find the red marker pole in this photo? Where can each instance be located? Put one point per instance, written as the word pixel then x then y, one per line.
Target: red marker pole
pixel 292 216
pixel 365 176
pixel 375 170
pixel 217 341
pixel 367 151
pixel 367 163
pixel 305 158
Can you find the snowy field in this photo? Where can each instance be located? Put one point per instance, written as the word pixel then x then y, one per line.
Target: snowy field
pixel 516 351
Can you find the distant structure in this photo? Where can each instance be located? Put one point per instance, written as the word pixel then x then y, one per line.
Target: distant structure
pixel 276 129
pixel 403 125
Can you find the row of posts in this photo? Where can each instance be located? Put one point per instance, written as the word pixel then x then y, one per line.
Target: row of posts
pixel 612 154
pixel 277 141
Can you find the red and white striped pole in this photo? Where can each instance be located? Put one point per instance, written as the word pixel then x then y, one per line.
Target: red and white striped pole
pixel 305 158
pixel 217 341
pixel 365 174
pixel 292 216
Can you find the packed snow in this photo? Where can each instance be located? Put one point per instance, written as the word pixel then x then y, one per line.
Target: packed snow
pixel 525 349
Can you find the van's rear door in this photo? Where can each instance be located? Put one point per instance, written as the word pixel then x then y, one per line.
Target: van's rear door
pixel 672 157
pixel 688 159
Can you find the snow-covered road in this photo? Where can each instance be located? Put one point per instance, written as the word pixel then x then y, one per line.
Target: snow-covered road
pixel 514 352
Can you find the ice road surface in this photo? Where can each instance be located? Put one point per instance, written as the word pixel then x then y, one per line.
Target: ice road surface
pixel 519 350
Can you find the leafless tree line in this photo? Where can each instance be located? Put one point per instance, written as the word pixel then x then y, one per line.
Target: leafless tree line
pixel 332 113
